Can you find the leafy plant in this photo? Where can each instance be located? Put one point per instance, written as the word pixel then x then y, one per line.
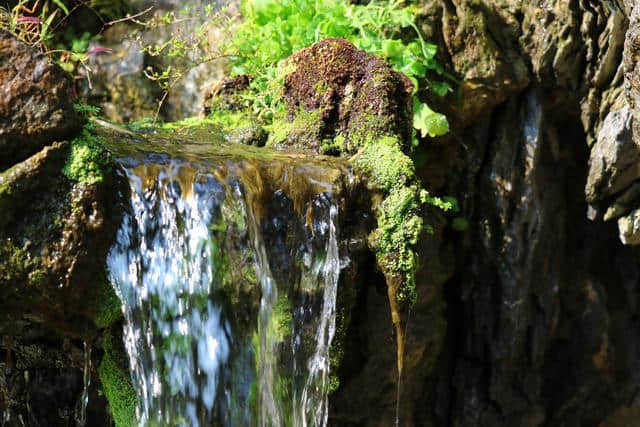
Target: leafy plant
pixel 269 31
pixel 272 30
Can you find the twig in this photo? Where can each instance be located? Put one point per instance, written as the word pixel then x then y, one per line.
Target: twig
pixel 130 18
pixel 155 117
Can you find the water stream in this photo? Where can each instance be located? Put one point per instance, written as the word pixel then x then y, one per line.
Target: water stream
pixel 81 409
pixel 227 265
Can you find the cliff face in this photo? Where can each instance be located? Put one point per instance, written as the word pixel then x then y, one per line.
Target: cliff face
pixel 542 309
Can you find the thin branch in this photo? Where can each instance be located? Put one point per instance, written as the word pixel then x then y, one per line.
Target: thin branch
pixel 130 18
pixel 155 117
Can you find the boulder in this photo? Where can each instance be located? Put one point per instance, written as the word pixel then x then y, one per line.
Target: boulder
pixel 54 237
pixel 35 104
pixel 333 89
pixel 224 94
pixel 629 228
pixel 614 163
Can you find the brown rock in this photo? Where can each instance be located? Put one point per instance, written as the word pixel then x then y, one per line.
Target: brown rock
pixel 222 94
pixel 351 90
pixel 54 237
pixel 613 163
pixel 35 106
pixel 481 40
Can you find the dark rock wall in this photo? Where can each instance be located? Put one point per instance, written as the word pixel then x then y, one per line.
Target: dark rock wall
pixel 534 322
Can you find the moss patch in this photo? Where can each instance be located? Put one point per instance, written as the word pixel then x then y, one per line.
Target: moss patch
pixel 302 131
pixel 105 307
pixel 399 227
pixel 385 164
pixel 116 382
pixel 18 264
pixel 336 354
pixel 88 160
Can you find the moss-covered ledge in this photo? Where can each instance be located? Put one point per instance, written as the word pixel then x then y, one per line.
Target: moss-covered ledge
pixel 343 101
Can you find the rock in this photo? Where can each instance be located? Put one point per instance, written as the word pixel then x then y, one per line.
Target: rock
pixel 120 86
pixel 41 379
pixel 614 163
pixel 623 202
pixel 249 135
pixel 336 89
pixel 222 94
pixel 629 228
pixel 482 41
pixel 54 236
pixel 35 102
pixel 632 68
pixel 604 29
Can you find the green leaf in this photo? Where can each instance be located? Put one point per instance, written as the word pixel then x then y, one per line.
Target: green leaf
pixel 427 121
pixel 402 17
pixel 62 6
pixel 44 31
pixel 440 88
pixel 392 48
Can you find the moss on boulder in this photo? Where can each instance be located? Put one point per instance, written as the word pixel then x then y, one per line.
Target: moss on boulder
pixel 344 101
pixel 116 381
pixel 353 92
pixel 54 236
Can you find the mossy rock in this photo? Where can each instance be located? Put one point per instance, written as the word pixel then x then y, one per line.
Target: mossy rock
pixel 54 236
pixel 116 380
pixel 352 92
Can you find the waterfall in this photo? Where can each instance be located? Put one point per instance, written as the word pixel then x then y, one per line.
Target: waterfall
pixel 228 272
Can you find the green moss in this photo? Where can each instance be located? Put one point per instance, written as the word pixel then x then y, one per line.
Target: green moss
pixel 116 382
pixel 282 318
pixel 105 307
pixel 18 263
pixel 385 163
pixel 231 120
pixel 336 354
pixel 189 123
pixel 333 146
pixel 279 131
pixel 302 132
pixel 88 160
pixel 399 222
pixel 86 111
pixel 399 227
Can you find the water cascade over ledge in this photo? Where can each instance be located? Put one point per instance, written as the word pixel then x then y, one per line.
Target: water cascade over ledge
pixel 227 265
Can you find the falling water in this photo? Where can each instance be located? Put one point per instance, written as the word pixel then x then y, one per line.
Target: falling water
pixel 81 410
pixel 227 266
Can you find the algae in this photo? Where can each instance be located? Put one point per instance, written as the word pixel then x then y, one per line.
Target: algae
pixel 116 382
pixel 302 131
pixel 88 160
pixel 105 307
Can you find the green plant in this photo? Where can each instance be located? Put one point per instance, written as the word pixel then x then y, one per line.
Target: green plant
pixel 88 160
pixel 270 31
pixel 273 30
pixel 32 25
